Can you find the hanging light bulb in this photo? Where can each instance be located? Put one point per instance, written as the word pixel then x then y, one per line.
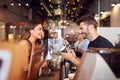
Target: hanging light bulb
pixel 112 5
pixel 12 4
pixel 27 4
pixel 19 4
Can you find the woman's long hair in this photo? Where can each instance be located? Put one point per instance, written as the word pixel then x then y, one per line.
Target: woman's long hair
pixel 26 31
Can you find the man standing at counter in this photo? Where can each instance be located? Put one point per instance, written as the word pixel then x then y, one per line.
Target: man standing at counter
pixel 88 28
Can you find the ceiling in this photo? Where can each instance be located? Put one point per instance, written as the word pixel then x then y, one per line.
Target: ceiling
pixel 57 9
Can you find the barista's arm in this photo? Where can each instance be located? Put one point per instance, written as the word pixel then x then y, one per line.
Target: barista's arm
pixel 70 55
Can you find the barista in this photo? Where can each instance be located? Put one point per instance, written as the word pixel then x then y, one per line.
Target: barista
pixel 88 28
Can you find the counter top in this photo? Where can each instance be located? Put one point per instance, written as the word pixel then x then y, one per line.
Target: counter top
pixel 53 75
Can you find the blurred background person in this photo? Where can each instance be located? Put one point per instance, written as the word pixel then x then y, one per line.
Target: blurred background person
pixel 30 43
pixel 80 45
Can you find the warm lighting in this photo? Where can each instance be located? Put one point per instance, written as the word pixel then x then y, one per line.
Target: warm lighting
pixel 71 31
pixel 74 3
pixel 112 5
pixel 41 3
pixel 50 5
pixel 42 8
pixel 19 4
pixel 105 14
pixel 76 14
pixel 65 21
pixel 62 26
pixel 68 2
pixel 12 4
pixel 81 6
pixel 51 30
pixel 12 27
pixel 78 0
pixel 48 15
pixel 59 2
pixel 101 12
pixel 58 6
pixel 27 4
pixel 61 21
pixel 57 11
pixel 118 5
pixel 65 26
pixel 65 8
pixel 69 10
pixel 74 8
pixel 72 16
pixel 11 37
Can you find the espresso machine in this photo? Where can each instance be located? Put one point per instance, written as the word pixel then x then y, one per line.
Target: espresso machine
pixel 99 64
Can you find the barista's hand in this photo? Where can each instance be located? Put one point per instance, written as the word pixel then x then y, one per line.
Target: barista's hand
pixel 69 55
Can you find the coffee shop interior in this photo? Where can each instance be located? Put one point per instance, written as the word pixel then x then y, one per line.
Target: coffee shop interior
pixel 61 16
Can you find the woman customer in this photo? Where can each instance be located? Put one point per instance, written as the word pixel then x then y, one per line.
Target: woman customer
pixel 30 44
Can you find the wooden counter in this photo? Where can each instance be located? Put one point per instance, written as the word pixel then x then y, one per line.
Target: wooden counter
pixel 53 75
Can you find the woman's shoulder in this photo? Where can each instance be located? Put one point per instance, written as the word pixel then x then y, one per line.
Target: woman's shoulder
pixel 23 43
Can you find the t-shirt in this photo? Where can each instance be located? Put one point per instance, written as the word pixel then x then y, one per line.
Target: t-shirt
pixel 100 42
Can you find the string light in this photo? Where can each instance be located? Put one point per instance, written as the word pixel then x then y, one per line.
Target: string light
pixel 27 4
pixel 49 0
pixel 66 5
pixel 42 8
pixel 19 4
pixel 112 5
pixel 101 12
pixel 78 0
pixel 41 3
pixel 12 4
pixel 74 3
pixel 81 6
pixel 74 8
pixel 68 2
pixel 76 14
